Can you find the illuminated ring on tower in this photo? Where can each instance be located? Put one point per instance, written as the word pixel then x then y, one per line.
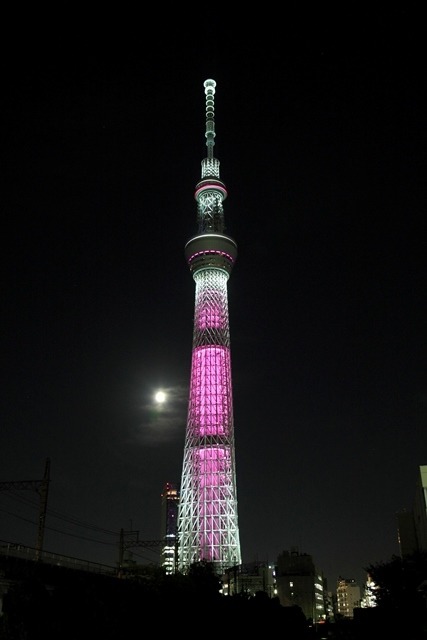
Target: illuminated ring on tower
pixel 210 185
pixel 211 250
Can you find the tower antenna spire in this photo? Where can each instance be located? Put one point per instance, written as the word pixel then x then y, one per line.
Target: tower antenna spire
pixel 210 116
pixel 210 191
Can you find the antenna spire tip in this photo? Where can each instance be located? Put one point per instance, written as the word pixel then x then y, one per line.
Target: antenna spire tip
pixel 209 84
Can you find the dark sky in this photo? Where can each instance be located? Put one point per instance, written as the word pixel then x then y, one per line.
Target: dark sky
pixel 321 135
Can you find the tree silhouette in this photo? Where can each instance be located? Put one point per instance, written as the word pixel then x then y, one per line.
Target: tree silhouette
pixel 400 592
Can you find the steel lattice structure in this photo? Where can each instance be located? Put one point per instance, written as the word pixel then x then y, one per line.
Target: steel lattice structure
pixel 207 518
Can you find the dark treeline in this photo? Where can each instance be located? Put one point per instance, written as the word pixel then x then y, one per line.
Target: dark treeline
pixel 55 603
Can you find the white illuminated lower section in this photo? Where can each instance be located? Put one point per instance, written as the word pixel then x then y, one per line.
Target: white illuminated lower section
pixel 207 520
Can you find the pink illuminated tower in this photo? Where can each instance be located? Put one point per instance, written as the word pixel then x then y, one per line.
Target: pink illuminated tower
pixel 207 518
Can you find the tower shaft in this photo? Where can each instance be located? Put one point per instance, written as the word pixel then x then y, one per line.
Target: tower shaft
pixel 207 517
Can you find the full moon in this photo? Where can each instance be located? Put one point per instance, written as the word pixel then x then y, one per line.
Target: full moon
pixel 160 397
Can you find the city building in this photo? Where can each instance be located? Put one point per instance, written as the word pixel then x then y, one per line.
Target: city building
pixel 168 527
pixel 249 579
pixel 420 508
pixel 348 597
pixel 207 517
pixel 406 533
pixel 412 523
pixel 300 583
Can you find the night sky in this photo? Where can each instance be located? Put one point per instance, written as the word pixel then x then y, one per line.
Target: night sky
pixel 321 135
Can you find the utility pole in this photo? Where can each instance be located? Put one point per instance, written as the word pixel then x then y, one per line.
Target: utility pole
pixel 42 488
pixel 43 491
pixel 132 540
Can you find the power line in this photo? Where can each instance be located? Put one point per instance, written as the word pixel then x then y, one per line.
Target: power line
pixel 60 515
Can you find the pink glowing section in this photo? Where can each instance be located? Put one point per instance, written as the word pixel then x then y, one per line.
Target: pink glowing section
pixel 210 393
pixel 214 466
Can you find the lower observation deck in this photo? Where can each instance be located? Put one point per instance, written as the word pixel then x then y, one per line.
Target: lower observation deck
pixel 211 250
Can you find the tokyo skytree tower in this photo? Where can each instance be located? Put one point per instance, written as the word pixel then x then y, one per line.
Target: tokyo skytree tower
pixel 207 517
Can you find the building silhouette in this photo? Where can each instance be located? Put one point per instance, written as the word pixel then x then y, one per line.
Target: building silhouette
pixel 168 527
pixel 348 597
pixel 250 579
pixel 412 524
pixel 406 533
pixel 207 517
pixel 300 583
